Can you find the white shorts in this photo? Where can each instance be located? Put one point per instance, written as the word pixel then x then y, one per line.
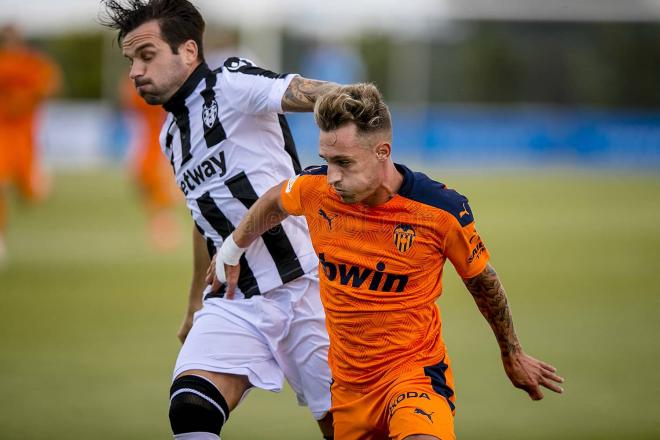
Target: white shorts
pixel 267 338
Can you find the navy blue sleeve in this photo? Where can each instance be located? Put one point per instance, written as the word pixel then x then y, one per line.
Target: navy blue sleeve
pixel 425 190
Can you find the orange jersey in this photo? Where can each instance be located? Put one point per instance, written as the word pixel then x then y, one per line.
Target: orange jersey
pixel 26 79
pixel 381 271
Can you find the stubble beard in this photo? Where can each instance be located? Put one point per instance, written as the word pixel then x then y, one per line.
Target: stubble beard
pixel 153 99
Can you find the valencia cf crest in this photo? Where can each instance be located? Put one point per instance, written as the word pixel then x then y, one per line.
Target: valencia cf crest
pixel 404 235
pixel 210 113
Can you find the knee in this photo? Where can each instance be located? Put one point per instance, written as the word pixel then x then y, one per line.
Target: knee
pixel 196 405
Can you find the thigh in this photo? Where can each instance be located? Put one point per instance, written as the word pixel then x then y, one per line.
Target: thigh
pixel 303 353
pixel 359 415
pixel 224 340
pixel 422 402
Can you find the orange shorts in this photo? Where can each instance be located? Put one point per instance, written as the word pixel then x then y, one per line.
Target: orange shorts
pixel 418 402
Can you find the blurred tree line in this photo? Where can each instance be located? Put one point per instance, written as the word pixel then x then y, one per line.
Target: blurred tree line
pixel 587 64
pixel 80 56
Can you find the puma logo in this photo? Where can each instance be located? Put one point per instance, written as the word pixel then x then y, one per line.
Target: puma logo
pixel 325 216
pixel 464 212
pixel 419 411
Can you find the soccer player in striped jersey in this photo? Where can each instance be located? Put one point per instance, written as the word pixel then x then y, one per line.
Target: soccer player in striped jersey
pixel 228 142
pixel 383 234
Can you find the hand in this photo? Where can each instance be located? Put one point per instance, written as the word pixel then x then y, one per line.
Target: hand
pixel 210 275
pixel 186 325
pixel 530 374
pixel 229 276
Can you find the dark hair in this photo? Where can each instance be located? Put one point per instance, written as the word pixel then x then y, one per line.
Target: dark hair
pixel 361 104
pixel 179 20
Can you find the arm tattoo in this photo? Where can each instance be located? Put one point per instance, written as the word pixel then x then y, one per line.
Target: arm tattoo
pixel 301 94
pixel 488 293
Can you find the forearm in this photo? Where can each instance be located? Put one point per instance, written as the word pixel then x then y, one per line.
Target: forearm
pixel 302 93
pixel 265 214
pixel 197 286
pixel 524 371
pixel 201 262
pixel 488 293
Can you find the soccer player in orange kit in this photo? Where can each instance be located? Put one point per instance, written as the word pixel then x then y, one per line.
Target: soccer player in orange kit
pixel 26 79
pixel 152 171
pixel 382 234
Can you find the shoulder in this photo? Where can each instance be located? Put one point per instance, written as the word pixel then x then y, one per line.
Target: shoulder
pixel 307 181
pixel 307 175
pixel 315 170
pixel 422 189
pixel 304 191
pixel 247 67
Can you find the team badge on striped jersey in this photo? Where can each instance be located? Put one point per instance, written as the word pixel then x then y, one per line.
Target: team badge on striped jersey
pixel 210 113
pixel 404 235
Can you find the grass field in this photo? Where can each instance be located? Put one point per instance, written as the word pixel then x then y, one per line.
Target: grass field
pixel 88 314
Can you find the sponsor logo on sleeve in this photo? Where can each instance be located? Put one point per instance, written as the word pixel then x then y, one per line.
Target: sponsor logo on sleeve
pixel 478 248
pixel 234 64
pixel 464 212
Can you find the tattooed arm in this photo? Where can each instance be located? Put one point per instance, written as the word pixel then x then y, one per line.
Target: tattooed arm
pixel 524 371
pixel 301 94
pixel 488 293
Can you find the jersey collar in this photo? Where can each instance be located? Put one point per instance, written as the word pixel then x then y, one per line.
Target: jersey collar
pixel 179 98
pixel 408 180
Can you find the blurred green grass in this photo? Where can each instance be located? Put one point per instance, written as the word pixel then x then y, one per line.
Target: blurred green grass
pixel 89 313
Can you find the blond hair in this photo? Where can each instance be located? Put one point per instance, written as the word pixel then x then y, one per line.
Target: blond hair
pixel 361 104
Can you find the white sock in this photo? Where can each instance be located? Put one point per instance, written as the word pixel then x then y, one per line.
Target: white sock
pixel 196 436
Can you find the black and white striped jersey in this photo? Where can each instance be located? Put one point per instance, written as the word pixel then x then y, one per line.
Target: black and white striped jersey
pixel 228 143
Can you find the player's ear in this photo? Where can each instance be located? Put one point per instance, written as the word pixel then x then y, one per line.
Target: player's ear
pixel 383 151
pixel 189 51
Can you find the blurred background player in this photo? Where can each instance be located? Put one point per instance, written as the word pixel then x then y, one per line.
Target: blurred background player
pixel 27 78
pixel 151 170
